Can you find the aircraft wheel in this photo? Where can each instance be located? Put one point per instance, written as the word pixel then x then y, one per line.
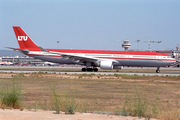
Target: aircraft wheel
pixel 83 69
pixel 157 71
pixel 95 69
pixel 89 69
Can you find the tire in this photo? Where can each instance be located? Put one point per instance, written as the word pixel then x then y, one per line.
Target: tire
pixel 95 69
pixel 83 69
pixel 157 71
pixel 89 69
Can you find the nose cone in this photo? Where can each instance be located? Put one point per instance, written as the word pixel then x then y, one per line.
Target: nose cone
pixel 173 61
pixel 170 61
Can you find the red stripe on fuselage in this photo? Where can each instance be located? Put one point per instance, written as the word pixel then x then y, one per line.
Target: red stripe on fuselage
pixel 107 52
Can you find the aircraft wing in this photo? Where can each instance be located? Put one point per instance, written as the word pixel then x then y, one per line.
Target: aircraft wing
pixel 79 56
pixel 76 57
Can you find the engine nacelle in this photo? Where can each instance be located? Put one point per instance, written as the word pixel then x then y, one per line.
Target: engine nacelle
pixel 118 67
pixel 106 65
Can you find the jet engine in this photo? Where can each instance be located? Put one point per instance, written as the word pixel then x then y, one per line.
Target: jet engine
pixel 118 67
pixel 106 65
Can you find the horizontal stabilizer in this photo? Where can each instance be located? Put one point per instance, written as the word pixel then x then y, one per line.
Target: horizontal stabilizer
pixel 25 51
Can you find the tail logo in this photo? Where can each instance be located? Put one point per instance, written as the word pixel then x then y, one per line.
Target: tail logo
pixel 21 38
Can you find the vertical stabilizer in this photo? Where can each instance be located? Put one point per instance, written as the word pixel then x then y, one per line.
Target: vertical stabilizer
pixel 24 40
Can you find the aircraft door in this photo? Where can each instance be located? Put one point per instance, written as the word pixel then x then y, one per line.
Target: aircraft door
pixel 159 57
pixel 158 60
pixel 127 56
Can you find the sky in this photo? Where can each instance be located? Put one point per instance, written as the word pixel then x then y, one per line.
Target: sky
pixel 92 24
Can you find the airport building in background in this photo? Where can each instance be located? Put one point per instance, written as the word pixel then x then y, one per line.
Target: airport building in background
pixel 22 60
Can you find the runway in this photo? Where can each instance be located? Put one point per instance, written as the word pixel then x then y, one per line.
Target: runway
pixel 17 69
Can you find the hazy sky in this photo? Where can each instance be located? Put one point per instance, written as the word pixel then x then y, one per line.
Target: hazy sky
pixel 91 24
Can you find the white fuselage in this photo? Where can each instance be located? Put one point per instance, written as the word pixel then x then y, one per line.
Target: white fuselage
pixel 121 59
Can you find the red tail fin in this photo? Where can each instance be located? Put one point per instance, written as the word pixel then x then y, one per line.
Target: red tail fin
pixel 24 40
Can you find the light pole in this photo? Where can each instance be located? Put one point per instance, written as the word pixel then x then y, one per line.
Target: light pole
pixel 138 43
pixel 58 44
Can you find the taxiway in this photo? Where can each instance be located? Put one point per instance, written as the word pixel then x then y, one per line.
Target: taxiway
pixel 17 69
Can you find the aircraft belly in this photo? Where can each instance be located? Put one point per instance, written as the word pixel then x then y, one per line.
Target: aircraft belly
pixel 144 63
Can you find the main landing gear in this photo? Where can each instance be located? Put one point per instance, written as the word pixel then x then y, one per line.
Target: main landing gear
pixel 158 71
pixel 89 69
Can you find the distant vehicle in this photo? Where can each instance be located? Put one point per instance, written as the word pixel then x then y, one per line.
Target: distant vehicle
pixel 51 64
pixel 91 58
pixel 6 63
pixel 17 64
pixel 24 64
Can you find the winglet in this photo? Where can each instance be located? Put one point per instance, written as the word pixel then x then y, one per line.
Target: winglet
pixel 24 40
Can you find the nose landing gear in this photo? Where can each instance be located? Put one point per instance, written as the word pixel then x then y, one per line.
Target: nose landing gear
pixel 158 71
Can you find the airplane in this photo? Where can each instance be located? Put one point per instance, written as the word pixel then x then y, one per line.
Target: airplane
pixel 6 63
pixel 91 59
